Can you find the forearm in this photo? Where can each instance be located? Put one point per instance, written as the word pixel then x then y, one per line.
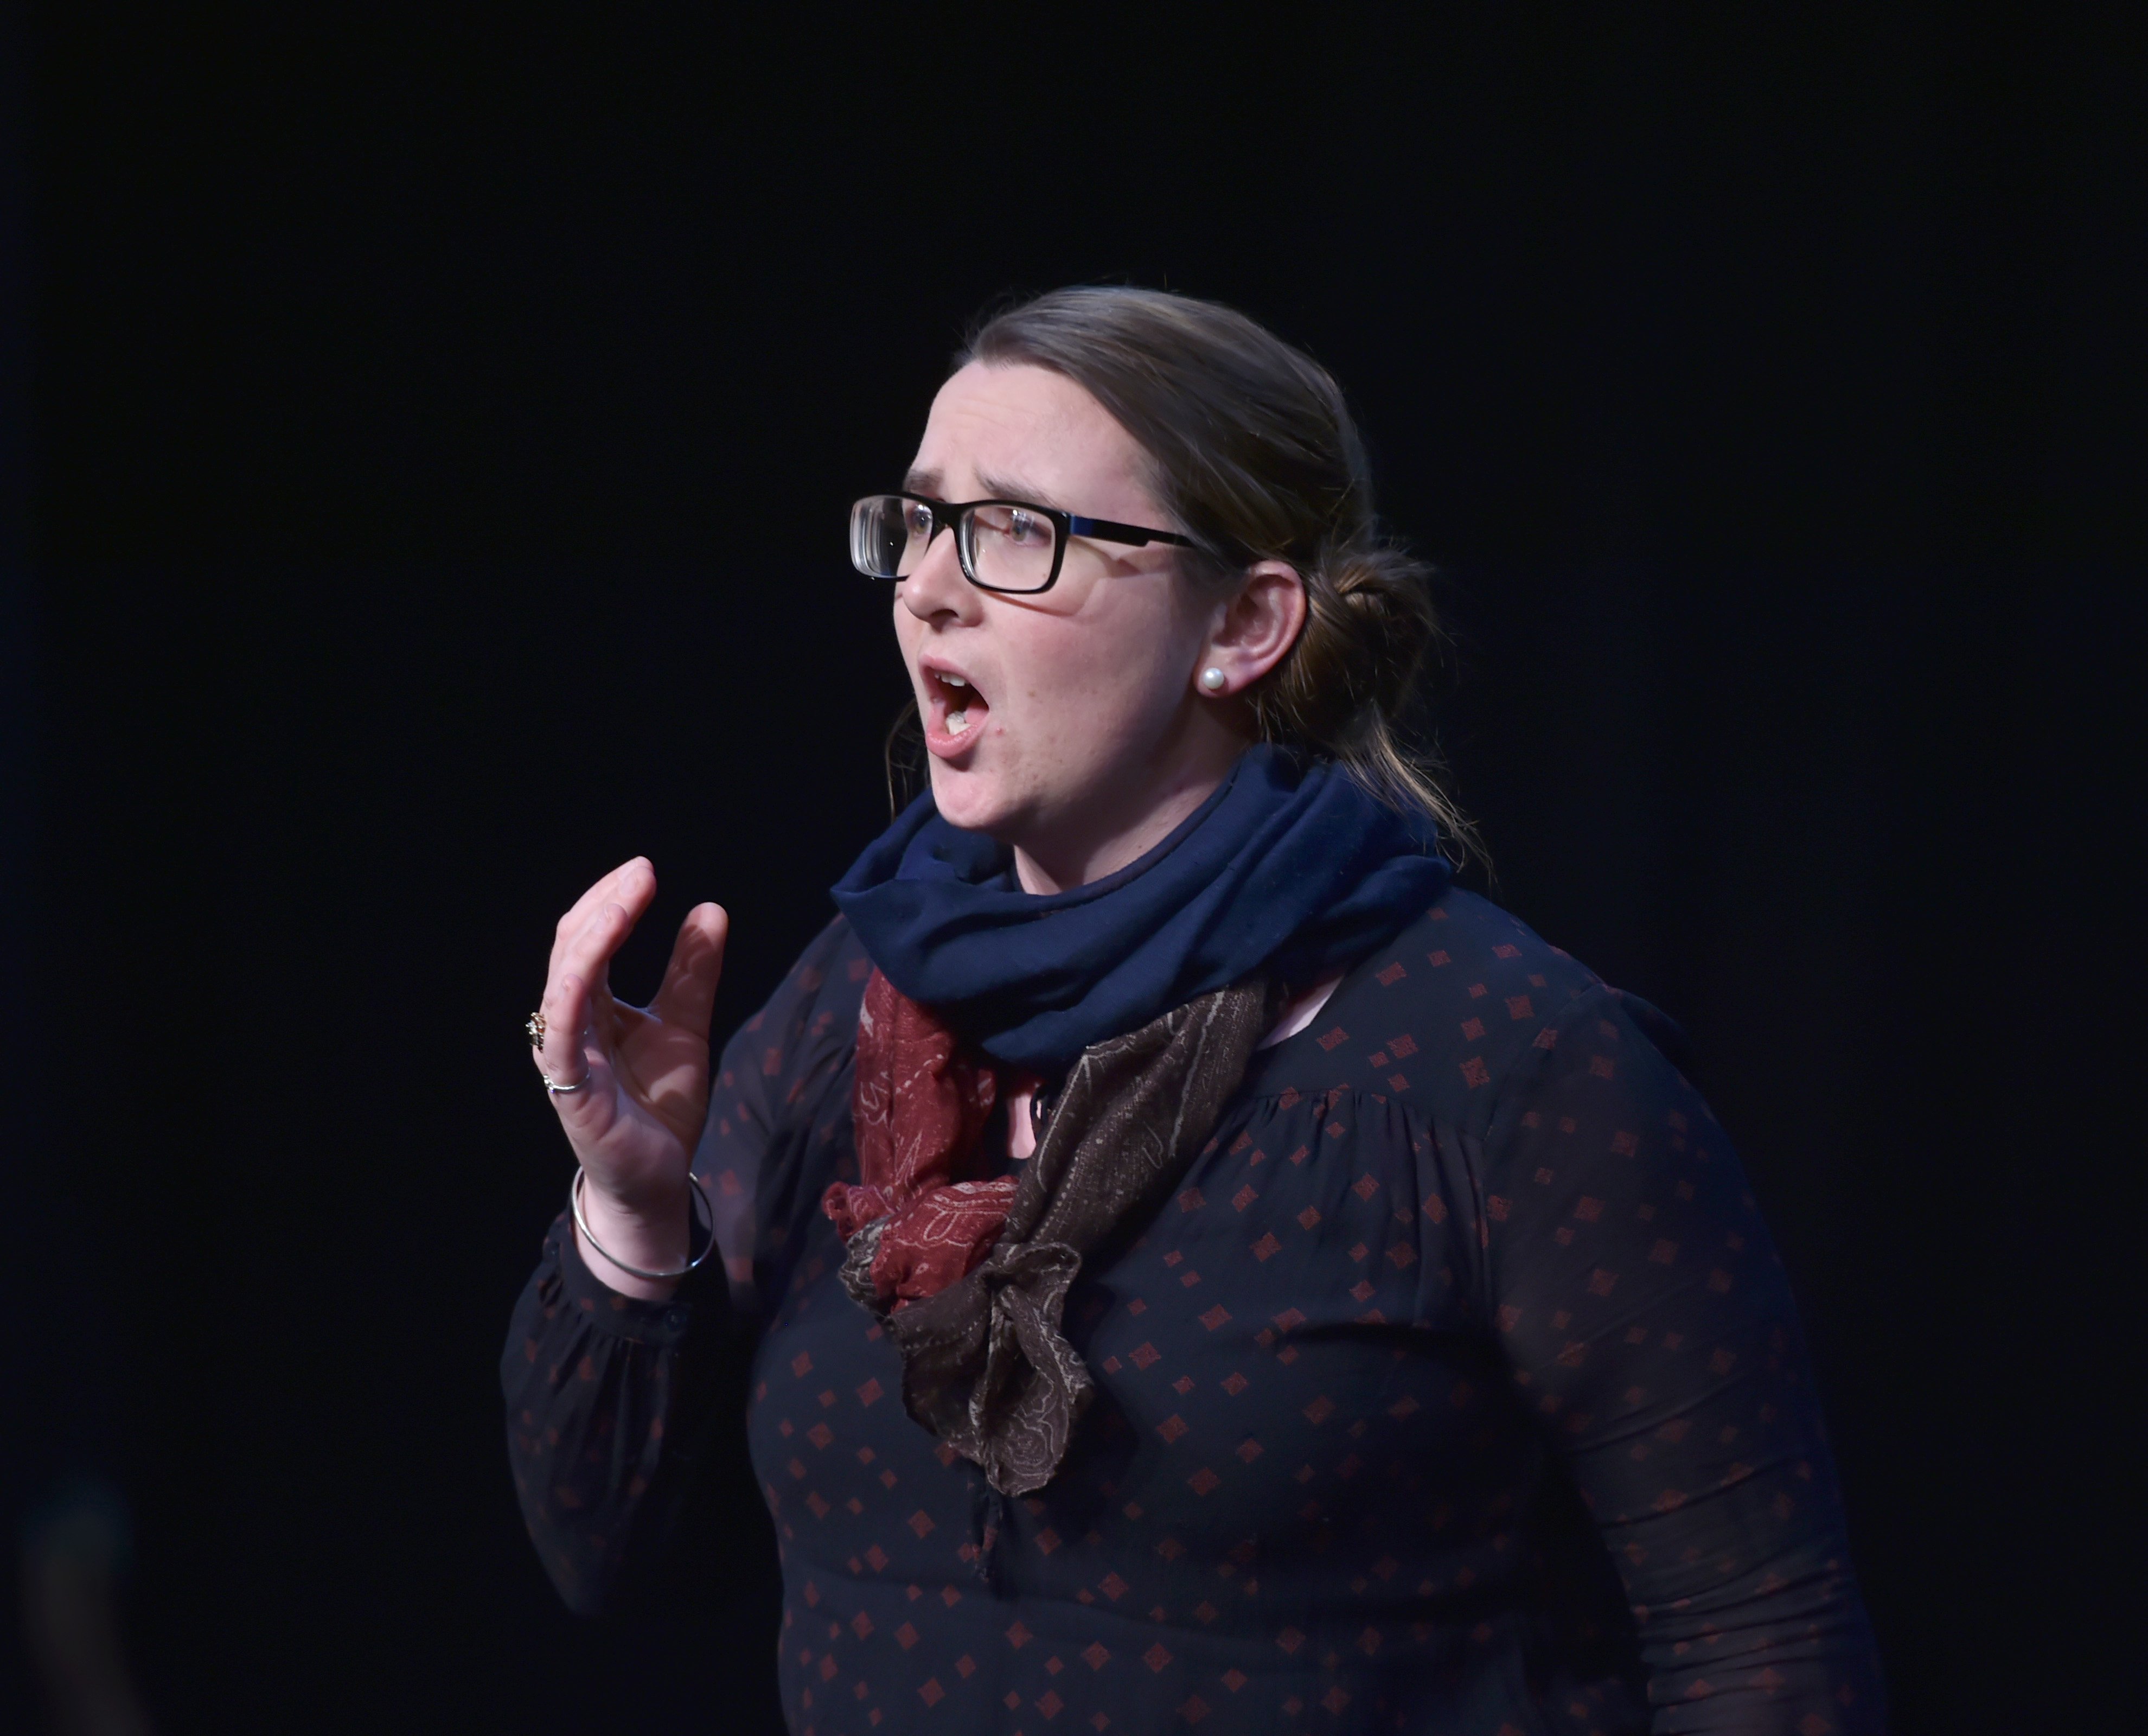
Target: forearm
pixel 593 1381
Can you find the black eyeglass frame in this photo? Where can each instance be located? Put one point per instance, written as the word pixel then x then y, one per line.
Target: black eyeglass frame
pixel 954 514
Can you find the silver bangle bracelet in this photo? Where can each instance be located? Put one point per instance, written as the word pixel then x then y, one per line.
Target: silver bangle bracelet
pixel 581 1223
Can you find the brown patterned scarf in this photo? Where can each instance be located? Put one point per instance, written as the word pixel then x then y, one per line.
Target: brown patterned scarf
pixel 970 1275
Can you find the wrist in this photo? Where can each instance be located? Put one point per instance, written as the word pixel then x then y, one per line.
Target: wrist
pixel 640 1248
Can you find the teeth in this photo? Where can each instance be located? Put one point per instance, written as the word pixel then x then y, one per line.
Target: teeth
pixel 954 681
pixel 957 722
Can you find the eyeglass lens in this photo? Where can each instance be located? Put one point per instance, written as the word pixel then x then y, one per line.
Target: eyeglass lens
pixel 1006 548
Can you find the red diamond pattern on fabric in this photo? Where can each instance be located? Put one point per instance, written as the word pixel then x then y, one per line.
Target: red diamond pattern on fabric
pixel 1113 1587
pixel 1049 1704
pixel 1018 1636
pixel 1194 1709
pixel 1572 1130
pixel 1338 1035
pixel 1156 1659
pixel 1202 1481
pixel 1171 1428
pixel 932 1692
pixel 1308 1217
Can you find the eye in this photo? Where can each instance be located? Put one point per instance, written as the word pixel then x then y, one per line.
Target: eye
pixel 1025 529
pixel 919 517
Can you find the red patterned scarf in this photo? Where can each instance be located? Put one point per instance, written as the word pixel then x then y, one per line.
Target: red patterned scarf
pixel 921 1107
pixel 969 1275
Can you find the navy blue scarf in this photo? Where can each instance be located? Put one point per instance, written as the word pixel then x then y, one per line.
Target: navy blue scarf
pixel 1295 870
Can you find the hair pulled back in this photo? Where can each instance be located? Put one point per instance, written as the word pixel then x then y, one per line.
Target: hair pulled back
pixel 1253 449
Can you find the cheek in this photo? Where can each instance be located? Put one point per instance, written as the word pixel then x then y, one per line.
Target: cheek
pixel 1084 691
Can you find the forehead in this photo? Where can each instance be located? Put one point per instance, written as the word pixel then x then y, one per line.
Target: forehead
pixel 1032 431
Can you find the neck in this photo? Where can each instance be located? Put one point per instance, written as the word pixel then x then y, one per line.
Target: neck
pixel 1082 847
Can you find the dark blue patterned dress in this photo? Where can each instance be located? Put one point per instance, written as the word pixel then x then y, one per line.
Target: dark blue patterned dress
pixel 1458 1390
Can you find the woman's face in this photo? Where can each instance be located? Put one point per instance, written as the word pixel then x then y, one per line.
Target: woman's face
pixel 1066 724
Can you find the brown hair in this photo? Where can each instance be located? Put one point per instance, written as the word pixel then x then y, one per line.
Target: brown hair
pixel 1254 451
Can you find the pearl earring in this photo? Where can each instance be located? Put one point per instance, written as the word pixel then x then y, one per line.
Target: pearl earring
pixel 1212 679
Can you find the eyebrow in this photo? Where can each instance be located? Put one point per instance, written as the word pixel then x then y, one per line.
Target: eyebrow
pixel 996 487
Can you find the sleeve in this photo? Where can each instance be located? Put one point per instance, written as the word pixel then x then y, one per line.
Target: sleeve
pixel 1646 1320
pixel 620 1412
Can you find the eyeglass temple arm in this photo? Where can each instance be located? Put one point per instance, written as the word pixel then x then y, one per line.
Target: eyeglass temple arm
pixel 1135 535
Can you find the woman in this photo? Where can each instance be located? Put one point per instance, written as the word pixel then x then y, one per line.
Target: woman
pixel 1195 1264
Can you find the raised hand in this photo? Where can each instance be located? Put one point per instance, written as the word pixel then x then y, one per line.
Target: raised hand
pixel 643 1072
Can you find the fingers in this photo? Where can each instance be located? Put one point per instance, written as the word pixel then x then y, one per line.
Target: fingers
pixel 632 884
pixel 577 995
pixel 577 1000
pixel 687 995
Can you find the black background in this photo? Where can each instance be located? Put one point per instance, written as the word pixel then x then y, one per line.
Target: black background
pixel 438 430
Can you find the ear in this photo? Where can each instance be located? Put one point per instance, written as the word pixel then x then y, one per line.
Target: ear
pixel 1250 633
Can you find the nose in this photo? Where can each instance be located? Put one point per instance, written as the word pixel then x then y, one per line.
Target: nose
pixel 937 587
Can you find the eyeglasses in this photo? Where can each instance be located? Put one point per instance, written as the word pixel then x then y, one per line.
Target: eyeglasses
pixel 1003 545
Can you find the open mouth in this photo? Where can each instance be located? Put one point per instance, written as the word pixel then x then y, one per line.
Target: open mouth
pixel 954 710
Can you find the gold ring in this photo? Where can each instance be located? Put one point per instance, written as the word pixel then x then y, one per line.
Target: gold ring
pixel 535 1027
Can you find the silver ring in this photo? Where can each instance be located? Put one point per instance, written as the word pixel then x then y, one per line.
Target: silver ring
pixel 558 1090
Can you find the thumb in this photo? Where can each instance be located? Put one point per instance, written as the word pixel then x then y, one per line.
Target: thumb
pixel 688 995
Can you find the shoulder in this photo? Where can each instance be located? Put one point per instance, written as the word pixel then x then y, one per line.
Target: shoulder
pixel 1452 1007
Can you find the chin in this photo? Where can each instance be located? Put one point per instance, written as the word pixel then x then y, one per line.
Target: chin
pixel 970 800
